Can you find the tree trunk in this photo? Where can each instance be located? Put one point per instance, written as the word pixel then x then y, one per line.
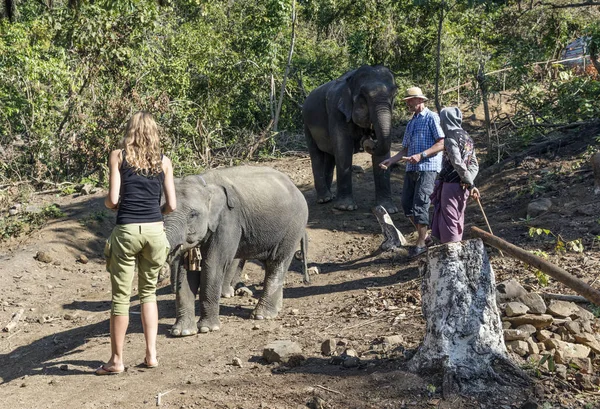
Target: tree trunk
pixel 482 80
pixel 9 9
pixel 438 62
pixel 594 56
pixel 464 337
pixel 287 68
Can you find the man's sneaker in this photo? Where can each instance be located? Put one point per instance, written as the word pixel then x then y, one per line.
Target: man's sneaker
pixel 416 251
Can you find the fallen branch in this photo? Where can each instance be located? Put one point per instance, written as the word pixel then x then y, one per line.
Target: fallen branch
pixel 45 192
pixel 13 334
pixel 14 184
pixel 328 390
pixel 160 395
pixel 558 127
pixel 14 321
pixel 579 286
pixel 564 297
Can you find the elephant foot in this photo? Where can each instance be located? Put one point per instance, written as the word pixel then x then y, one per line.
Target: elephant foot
pixel 346 204
pixel 262 312
pixel 325 199
pixel 207 325
pixel 227 291
pixel 389 206
pixel 184 327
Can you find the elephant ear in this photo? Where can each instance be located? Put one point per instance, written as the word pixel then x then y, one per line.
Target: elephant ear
pixel 345 101
pixel 232 196
pixel 215 206
pixel 223 196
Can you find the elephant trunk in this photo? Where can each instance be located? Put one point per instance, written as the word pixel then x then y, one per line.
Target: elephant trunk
pixel 176 264
pixel 175 231
pixel 382 125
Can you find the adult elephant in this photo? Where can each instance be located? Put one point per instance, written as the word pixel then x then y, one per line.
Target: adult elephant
pixel 338 117
pixel 233 214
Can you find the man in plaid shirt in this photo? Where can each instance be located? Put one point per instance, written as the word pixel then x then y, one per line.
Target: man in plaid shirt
pixel 423 141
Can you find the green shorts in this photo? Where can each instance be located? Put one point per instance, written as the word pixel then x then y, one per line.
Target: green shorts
pixel 129 244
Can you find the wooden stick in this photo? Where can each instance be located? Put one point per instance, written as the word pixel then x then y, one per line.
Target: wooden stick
pixel 484 216
pixel 579 286
pixel 160 395
pixel 328 390
pixel 486 221
pixel 13 334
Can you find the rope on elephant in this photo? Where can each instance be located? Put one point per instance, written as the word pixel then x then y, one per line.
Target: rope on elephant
pixel 193 259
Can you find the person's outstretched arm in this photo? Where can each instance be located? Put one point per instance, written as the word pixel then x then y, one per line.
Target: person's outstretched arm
pixel 169 187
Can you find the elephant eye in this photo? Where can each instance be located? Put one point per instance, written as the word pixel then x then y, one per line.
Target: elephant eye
pixel 194 213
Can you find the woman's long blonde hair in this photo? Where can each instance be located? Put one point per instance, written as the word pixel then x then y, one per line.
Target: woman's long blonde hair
pixel 142 144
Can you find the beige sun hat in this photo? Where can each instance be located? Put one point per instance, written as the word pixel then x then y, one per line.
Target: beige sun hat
pixel 415 92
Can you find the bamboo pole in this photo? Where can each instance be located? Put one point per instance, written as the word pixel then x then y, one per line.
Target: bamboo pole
pixel 559 274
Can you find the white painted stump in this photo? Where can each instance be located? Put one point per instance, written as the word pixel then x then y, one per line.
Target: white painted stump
pixel 393 238
pixel 464 337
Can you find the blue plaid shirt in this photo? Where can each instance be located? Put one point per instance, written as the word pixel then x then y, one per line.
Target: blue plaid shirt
pixel 422 131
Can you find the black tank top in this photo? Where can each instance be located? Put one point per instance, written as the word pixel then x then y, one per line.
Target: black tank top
pixel 140 196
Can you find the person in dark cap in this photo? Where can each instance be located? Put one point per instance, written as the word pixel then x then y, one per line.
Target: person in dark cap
pixel 455 182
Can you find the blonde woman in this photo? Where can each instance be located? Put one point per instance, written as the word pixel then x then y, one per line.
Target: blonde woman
pixel 139 173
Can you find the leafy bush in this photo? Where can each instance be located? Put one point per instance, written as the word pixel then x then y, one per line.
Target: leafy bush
pixel 27 222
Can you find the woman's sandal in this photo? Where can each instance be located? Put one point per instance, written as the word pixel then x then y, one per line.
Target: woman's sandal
pixel 101 370
pixel 147 365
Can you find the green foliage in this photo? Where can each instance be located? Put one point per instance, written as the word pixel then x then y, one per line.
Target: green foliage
pixel 68 190
pixel 210 71
pixel 596 310
pixel 542 277
pixel 94 218
pixel 431 389
pixel 27 222
pixel 536 365
pixel 536 231
pixel 560 245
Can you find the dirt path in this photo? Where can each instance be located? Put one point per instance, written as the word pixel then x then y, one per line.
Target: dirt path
pixel 358 297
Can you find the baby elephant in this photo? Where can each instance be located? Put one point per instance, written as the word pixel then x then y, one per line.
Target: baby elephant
pixel 233 214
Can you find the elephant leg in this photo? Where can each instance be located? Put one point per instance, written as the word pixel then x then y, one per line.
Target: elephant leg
pixel 186 290
pixel 232 277
pixel 211 283
pixel 328 167
pixel 344 200
pixel 383 191
pixel 271 301
pixel 320 162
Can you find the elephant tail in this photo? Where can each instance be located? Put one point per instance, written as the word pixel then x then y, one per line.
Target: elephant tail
pixel 304 250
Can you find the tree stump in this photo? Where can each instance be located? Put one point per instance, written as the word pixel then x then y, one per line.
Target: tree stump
pixel 464 336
